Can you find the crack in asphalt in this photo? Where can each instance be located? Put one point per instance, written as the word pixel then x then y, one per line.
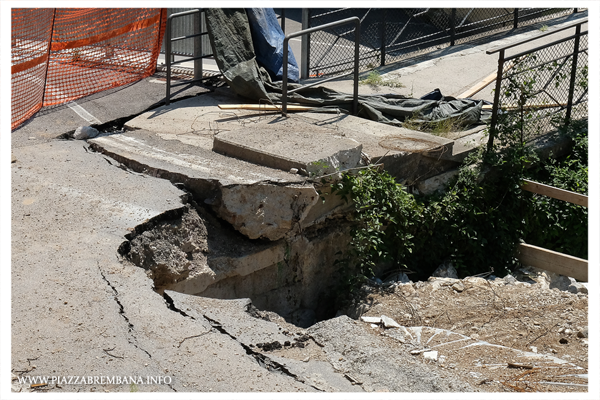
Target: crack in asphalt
pixel 262 360
pixel 132 340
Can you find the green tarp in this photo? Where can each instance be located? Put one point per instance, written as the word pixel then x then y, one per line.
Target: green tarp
pixel 231 39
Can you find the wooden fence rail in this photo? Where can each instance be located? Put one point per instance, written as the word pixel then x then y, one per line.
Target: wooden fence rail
pixel 549 260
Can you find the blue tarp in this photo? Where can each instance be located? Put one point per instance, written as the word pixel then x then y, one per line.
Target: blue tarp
pixel 267 38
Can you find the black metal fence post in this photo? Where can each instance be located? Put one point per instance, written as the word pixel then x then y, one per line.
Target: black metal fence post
pixel 286 39
pixel 573 75
pixel 197 46
pixel 356 60
pixel 452 27
pixel 383 38
pixel 305 45
pixel 496 106
pixel 516 19
pixel 168 60
pixel 48 60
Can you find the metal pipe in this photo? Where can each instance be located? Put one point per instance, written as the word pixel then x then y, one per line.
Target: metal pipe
pixel 452 27
pixel 188 36
pixel 48 55
pixel 305 46
pixel 168 58
pixel 197 46
pixel 320 82
pixel 284 91
pixel 195 80
pixel 573 76
pixel 383 38
pixel 494 122
pixel 508 46
pixel 191 59
pixel 545 46
pixel 356 58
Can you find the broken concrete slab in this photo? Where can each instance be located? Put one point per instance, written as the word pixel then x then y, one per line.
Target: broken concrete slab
pixel 265 210
pixel 408 155
pixel 351 346
pixel 147 152
pixel 258 201
pixel 251 327
pixel 303 147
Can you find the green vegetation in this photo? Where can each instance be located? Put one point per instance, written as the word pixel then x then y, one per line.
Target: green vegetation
pixel 476 224
pixel 483 214
pixel 439 128
pixel 556 224
pixel 375 79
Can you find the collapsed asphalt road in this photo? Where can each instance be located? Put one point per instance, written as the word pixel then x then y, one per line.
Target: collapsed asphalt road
pixel 78 310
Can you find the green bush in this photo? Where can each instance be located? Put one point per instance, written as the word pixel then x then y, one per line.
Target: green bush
pixel 477 223
pixel 555 224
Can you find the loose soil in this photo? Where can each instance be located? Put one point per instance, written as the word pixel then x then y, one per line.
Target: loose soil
pixel 521 316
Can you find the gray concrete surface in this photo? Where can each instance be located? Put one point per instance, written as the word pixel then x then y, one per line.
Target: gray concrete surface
pixel 77 310
pixel 306 148
pixel 97 109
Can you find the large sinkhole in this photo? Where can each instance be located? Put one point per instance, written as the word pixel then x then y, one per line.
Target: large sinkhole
pixel 190 250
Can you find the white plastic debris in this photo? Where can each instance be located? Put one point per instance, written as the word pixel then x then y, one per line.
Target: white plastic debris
pixel 389 323
pixel 431 355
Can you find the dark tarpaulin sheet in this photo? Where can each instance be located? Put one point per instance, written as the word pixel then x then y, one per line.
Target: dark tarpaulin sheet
pixel 231 38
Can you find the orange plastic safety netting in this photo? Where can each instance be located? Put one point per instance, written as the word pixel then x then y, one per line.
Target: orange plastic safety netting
pixel 59 55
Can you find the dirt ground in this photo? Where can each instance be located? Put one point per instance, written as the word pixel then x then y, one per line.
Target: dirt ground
pixel 543 331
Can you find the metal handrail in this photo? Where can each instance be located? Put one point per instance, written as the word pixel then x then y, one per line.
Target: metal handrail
pixel 502 59
pixel 284 89
pixel 168 52
pixel 541 35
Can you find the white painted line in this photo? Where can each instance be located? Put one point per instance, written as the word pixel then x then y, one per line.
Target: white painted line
pixel 83 113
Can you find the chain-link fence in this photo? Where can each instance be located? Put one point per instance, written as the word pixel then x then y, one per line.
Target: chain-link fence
pixel 543 88
pixel 392 34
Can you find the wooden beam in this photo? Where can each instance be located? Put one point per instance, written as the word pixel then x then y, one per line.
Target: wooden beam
pixel 263 107
pixel 512 107
pixel 484 82
pixel 555 193
pixel 479 86
pixel 553 261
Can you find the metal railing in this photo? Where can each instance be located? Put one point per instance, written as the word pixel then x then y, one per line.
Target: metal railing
pixel 392 34
pixel 197 54
pixel 539 89
pixel 284 91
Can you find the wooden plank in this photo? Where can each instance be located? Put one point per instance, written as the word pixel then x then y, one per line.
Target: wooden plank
pixel 263 107
pixel 484 82
pixel 553 261
pixel 512 107
pixel 479 86
pixel 555 193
